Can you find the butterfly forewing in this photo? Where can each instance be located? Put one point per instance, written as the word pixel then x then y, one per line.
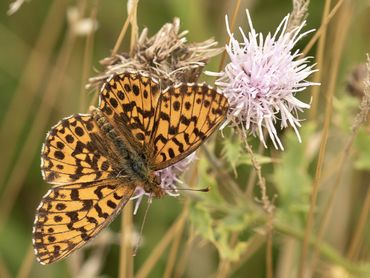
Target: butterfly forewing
pixel 70 215
pixel 129 102
pixel 186 116
pixel 72 152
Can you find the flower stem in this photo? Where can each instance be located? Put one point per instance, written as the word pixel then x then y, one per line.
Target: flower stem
pixel 27 263
pixel 126 263
pixel 355 244
pixel 336 55
pixel 29 148
pixel 29 85
pixel 320 62
pixel 325 249
pixel 232 27
pixel 323 26
pixel 161 247
pixel 175 245
pixel 88 53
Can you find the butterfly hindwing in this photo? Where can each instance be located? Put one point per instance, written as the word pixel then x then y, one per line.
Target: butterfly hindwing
pixel 186 116
pixel 129 102
pixel 70 215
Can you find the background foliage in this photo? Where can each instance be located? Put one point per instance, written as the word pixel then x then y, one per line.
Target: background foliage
pixel 225 232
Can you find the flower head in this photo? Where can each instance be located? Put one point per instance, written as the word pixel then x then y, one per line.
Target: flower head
pixel 169 177
pixel 262 79
pixel 167 56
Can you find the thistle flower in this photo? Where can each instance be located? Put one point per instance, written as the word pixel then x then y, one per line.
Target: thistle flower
pixel 169 177
pixel 262 79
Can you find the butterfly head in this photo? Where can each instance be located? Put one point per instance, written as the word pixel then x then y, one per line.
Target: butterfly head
pixel 154 186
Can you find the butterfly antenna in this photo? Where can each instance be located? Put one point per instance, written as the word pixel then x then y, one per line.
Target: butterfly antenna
pixel 205 189
pixel 142 226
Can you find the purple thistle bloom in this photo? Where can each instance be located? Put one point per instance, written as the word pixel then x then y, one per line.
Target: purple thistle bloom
pixel 169 177
pixel 262 79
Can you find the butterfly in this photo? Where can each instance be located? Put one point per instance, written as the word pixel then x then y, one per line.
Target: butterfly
pixel 96 161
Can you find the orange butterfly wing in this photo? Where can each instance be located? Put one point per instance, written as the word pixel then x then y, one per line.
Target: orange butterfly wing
pixel 73 153
pixel 83 161
pixel 70 215
pixel 185 117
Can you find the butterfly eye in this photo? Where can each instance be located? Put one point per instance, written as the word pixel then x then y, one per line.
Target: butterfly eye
pixel 157 179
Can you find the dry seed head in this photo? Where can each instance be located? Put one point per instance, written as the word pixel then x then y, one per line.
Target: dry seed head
pixel 363 115
pixel 299 14
pixel 355 82
pixel 167 56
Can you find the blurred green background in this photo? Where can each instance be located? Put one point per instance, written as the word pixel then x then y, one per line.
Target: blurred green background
pixel 39 86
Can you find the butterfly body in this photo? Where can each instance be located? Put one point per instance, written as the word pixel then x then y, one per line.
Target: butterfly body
pixel 96 161
pixel 133 167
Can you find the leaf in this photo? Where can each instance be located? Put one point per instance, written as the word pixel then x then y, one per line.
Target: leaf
pixel 219 230
pixel 291 176
pixel 201 220
pixel 226 251
pixel 231 152
pixel 235 155
pixel 209 180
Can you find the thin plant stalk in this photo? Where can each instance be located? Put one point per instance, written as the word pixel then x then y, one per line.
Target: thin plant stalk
pixel 29 84
pixel 126 257
pixel 26 266
pixel 320 62
pixel 269 261
pixel 161 247
pixel 223 175
pixel 253 175
pixel 325 249
pixel 4 271
pixel 254 244
pixel 28 150
pixel 335 58
pixel 121 36
pixel 355 244
pixel 88 53
pixel 286 259
pixel 183 258
pixel 232 27
pixel 175 247
pixel 226 266
pixel 81 5
pixel 323 27
pixel 267 206
pixel 176 242
pixel 134 27
pixel 126 264
pixel 329 204
pixel 223 269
